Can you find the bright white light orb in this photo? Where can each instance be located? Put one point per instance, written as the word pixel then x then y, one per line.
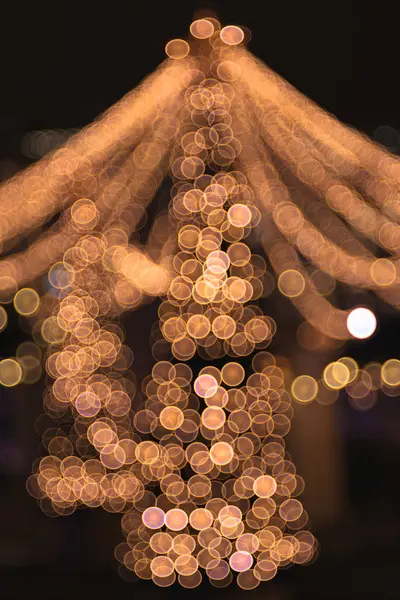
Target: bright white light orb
pixel 361 323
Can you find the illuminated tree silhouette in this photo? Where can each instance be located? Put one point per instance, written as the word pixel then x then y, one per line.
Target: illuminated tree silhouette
pixel 199 469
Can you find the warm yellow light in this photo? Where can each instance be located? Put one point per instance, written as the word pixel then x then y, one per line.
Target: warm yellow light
pixel 232 35
pixel 10 372
pixel 304 388
pixel 177 49
pixel 3 318
pixel 26 301
pixel 202 29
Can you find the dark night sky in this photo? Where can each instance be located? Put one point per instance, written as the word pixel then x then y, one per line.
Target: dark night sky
pixel 62 64
pixel 65 62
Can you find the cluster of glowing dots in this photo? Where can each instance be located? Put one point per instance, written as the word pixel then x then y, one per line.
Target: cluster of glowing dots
pixel 182 547
pixel 25 367
pixel 101 406
pixel 204 309
pixel 65 481
pixel 228 503
pixel 100 463
pixel 213 442
pixel 362 386
pixel 74 365
pixel 220 527
pixel 199 470
pixel 218 423
pixel 234 535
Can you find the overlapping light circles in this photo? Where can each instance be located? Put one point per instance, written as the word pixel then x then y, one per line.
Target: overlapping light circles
pixel 362 386
pixel 199 470
pixel 226 506
pixel 223 500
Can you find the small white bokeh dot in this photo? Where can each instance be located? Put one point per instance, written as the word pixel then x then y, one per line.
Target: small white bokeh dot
pixel 361 323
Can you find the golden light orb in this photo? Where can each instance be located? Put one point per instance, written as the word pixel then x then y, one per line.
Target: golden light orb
pixel 221 453
pixel 177 49
pixel 10 372
pixel 232 35
pixel 202 29
pixel 304 388
pixel 26 301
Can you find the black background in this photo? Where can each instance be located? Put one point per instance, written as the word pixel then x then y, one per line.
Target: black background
pixel 61 65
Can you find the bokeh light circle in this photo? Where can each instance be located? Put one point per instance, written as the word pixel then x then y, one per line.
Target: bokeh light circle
pixel 361 323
